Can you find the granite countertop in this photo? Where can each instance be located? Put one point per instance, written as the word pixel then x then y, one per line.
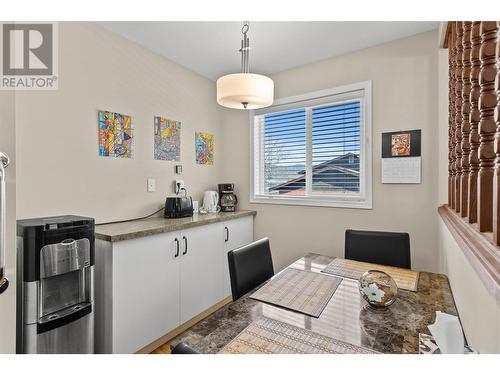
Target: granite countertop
pixel 345 317
pixel 155 225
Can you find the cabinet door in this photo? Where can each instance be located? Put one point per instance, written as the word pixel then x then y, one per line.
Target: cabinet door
pixel 237 233
pixel 201 285
pixel 145 291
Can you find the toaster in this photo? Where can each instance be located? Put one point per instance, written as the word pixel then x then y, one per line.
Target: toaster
pixel 176 207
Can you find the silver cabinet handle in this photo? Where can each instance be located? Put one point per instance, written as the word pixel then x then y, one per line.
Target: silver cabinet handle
pixel 4 162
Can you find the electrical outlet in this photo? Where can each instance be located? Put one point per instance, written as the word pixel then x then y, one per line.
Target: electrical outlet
pixel 151 184
pixel 179 185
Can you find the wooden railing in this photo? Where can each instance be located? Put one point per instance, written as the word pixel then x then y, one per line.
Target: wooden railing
pixel 474 123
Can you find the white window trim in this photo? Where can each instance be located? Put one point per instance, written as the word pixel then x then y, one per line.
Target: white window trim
pixel 365 201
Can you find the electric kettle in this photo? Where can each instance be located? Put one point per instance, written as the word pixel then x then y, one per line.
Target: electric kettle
pixel 211 202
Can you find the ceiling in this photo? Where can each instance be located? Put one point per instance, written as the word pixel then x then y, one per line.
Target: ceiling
pixel 211 48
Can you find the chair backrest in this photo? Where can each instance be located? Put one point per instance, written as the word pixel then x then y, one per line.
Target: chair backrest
pixel 249 266
pixel 183 348
pixel 386 248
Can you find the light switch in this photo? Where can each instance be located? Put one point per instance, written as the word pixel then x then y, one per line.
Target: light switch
pixel 151 184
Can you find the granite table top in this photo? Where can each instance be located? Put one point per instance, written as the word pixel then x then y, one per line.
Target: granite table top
pixel 346 317
pixel 155 225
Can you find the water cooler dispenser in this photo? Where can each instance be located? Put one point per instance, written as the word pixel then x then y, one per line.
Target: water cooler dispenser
pixel 55 293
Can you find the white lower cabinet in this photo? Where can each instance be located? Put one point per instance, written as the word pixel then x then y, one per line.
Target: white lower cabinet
pixel 200 267
pixel 145 291
pixel 147 287
pixel 237 233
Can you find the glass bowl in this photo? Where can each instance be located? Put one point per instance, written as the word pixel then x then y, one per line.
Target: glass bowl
pixel 378 289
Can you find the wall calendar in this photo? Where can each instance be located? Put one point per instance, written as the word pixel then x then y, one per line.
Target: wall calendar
pixel 401 157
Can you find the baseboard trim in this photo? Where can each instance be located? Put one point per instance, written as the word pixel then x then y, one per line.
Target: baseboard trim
pixel 183 327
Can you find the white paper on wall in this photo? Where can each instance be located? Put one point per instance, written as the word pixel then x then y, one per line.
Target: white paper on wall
pixel 402 170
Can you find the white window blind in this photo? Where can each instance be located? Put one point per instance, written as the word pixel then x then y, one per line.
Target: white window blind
pixel 336 138
pixel 314 150
pixel 284 151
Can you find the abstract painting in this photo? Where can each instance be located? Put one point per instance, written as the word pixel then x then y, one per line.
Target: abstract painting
pixel 167 139
pixel 115 135
pixel 204 148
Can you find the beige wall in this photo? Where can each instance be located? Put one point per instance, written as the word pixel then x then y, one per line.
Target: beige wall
pixel 59 167
pixel 404 75
pixel 8 298
pixel 479 311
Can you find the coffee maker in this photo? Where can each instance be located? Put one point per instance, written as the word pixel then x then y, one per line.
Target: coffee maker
pixel 227 199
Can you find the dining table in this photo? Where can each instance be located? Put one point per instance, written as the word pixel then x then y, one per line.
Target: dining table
pixel 346 317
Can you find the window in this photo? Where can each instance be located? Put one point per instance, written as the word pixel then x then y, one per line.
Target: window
pixel 314 149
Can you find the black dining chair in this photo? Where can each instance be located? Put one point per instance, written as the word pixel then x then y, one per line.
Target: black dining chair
pixel 183 348
pixel 386 248
pixel 249 266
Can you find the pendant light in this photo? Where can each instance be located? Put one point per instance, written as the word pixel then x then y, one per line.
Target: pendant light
pixel 245 90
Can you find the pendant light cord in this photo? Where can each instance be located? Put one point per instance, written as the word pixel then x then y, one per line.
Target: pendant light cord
pixel 246 26
pixel 245 48
pixel 245 52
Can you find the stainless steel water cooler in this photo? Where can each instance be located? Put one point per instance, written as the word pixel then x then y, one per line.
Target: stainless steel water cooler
pixel 55 294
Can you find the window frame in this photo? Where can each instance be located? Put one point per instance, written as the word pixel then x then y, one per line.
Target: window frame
pixel 323 98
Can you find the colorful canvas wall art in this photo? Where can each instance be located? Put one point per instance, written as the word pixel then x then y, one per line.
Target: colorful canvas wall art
pixel 167 139
pixel 204 148
pixel 115 135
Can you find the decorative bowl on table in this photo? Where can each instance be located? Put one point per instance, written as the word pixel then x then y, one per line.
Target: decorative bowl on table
pixel 378 289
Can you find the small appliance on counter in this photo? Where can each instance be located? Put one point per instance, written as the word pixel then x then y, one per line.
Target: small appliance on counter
pixel 180 204
pixel 55 285
pixel 177 207
pixel 210 202
pixel 228 199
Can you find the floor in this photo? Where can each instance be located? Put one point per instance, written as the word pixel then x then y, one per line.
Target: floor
pixel 164 349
